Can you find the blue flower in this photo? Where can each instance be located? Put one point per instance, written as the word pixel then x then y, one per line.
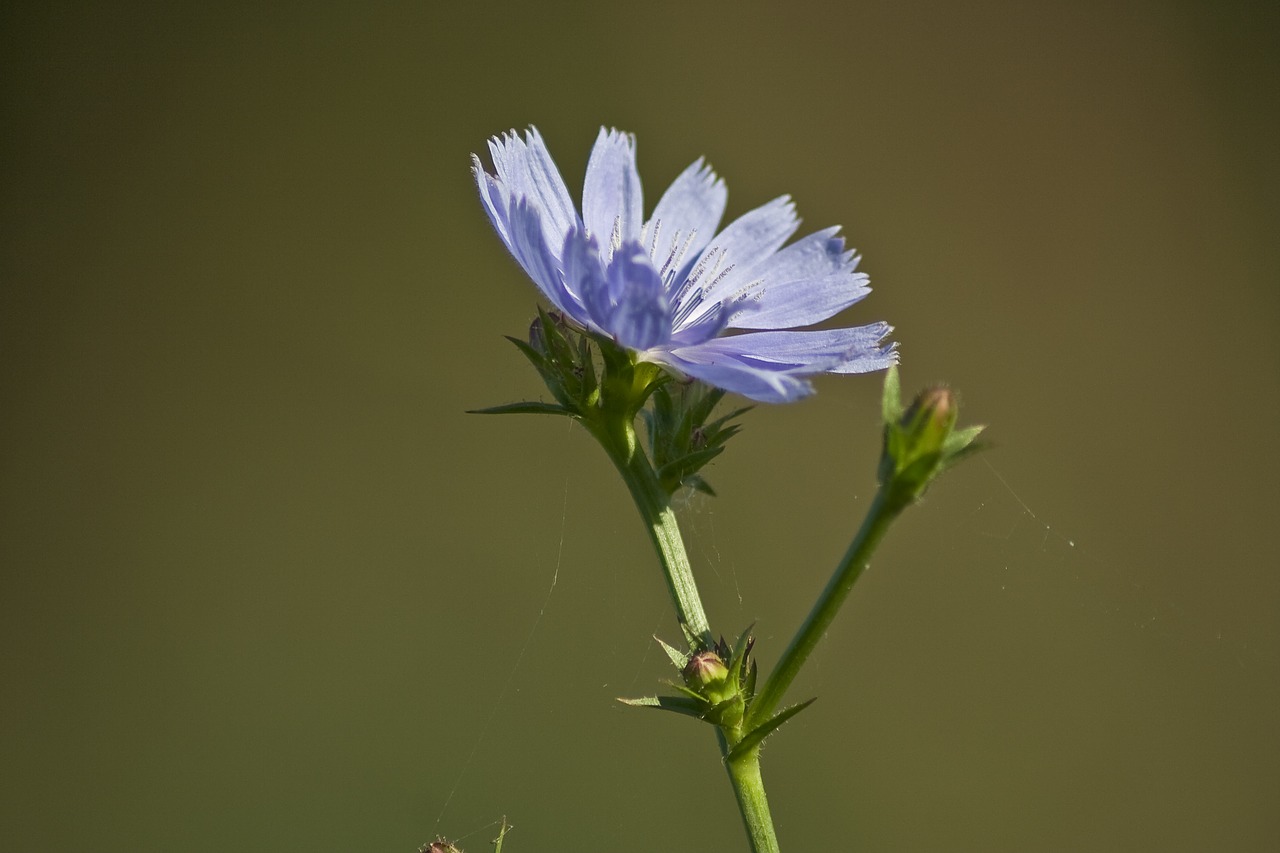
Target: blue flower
pixel 668 289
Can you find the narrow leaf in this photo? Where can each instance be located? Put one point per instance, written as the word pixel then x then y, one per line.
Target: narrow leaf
pixel 694 641
pixel 679 469
pixel 539 360
pixel 701 410
pixel 679 658
pixel 525 408
pixel 676 704
pixel 721 421
pixel 757 735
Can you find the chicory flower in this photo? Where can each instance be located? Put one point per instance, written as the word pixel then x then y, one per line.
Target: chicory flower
pixel 668 289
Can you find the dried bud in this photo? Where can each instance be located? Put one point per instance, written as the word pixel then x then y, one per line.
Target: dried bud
pixel 439 846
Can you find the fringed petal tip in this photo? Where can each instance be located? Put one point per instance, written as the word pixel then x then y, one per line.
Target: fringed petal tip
pixel 668 288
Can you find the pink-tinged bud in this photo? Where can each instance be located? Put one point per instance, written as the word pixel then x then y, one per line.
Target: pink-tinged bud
pixel 705 672
pixel 930 419
pixel 921 442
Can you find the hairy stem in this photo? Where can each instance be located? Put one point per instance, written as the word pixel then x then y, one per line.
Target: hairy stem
pixel 654 505
pixel 748 788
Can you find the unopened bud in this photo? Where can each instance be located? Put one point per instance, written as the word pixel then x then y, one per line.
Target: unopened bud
pixel 705 672
pixel 930 419
pixel 920 442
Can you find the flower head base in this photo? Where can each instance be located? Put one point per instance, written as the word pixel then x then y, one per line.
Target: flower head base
pixel 668 289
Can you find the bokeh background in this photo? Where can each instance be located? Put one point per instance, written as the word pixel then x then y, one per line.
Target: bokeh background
pixel 267 587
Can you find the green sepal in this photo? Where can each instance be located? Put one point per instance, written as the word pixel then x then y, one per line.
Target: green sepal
pixel 679 471
pixel 741 651
pixel 682 439
pixel 525 408
pixel 547 369
pixel 757 735
pixel 728 713
pixel 961 440
pixel 891 403
pixel 676 704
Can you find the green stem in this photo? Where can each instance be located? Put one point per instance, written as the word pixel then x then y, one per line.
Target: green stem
pixel 883 511
pixel 660 521
pixel 748 787
pixel 655 508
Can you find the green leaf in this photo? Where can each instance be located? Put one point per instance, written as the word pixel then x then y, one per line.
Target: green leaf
pixel 694 641
pixel 757 735
pixel 691 694
pixel 679 658
pixel 539 360
pixel 676 704
pixel 675 472
pixel 701 410
pixel 502 834
pixel 718 423
pixel 525 408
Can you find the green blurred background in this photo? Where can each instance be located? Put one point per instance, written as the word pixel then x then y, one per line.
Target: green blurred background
pixel 267 587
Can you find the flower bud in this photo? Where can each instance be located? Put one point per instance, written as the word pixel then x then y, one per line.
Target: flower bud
pixel 930 419
pixel 705 673
pixel 920 442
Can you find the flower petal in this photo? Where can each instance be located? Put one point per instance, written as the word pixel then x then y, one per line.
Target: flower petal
pixel 805 283
pixel 493 198
pixel 584 279
pixel 703 329
pixel 685 220
pixel 612 204
pixel 641 318
pixel 853 350
pixel 762 384
pixel 530 249
pixel 746 242
pixel 524 168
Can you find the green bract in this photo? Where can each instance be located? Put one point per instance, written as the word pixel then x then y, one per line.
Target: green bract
pixel 920 441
